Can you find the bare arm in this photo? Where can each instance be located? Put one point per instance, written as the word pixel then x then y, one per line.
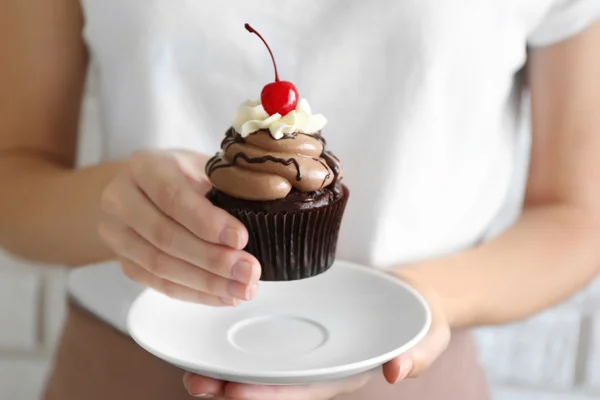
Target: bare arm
pixel 48 210
pixel 554 248
pixel 148 211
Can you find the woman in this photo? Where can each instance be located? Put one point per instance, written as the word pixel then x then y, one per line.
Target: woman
pixel 424 104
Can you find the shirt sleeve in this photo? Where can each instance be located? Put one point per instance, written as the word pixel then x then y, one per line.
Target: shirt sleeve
pixel 566 18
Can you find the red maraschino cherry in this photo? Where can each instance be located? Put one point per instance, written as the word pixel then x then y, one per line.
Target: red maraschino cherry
pixel 279 96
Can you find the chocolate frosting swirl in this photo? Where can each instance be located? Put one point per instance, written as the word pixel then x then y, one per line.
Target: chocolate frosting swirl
pixel 259 167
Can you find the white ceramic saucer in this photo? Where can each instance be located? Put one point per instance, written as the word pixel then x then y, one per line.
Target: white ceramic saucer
pixel 348 320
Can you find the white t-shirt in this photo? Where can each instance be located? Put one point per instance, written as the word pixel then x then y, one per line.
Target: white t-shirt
pixel 422 96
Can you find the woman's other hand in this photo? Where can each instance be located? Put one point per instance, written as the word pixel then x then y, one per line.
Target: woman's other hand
pixel 408 365
pixel 423 355
pixel 209 388
pixel 168 236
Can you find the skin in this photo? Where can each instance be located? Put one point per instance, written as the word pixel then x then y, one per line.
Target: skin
pixel 149 211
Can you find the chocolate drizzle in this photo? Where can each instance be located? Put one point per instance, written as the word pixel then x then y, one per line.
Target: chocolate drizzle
pixel 309 160
pixel 328 174
pixel 231 139
pixel 334 156
pixel 258 160
pixel 214 160
pixel 329 157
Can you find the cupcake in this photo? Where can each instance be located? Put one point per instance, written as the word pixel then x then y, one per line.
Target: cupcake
pixel 275 174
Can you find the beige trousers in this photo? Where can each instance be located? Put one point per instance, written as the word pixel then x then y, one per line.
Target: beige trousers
pixel 96 362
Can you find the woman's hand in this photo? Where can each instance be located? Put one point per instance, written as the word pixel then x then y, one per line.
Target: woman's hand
pixel 408 365
pixel 169 237
pixel 424 354
pixel 208 388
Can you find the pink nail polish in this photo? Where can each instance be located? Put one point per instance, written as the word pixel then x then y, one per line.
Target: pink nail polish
pixel 252 291
pixel 405 369
pixel 237 290
pixel 231 237
pixel 243 272
pixel 230 301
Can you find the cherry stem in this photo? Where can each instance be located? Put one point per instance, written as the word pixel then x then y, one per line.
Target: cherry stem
pixel 251 30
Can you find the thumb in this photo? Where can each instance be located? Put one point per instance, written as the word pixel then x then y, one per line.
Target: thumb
pixel 423 355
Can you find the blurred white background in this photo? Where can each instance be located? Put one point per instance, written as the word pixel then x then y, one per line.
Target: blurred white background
pixel 554 356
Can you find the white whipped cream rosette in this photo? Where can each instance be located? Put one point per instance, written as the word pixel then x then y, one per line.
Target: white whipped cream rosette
pixel 251 117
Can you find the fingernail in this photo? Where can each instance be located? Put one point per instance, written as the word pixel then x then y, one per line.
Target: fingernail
pixel 244 272
pixel 238 290
pixel 231 237
pixel 252 291
pixel 204 396
pixel 405 369
pixel 229 301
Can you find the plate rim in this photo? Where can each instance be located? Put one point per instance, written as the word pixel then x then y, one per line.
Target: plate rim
pixel 266 374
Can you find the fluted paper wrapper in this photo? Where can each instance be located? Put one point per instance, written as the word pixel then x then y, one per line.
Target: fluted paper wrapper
pixel 293 245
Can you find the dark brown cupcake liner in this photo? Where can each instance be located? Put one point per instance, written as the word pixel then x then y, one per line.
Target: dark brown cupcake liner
pixel 293 245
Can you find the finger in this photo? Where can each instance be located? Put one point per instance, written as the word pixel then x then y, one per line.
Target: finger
pixel 435 342
pixel 171 289
pixel 128 244
pixel 240 391
pixel 201 386
pixel 170 237
pixel 424 354
pixel 171 191
pixel 398 369
pixel 391 370
pixel 318 391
